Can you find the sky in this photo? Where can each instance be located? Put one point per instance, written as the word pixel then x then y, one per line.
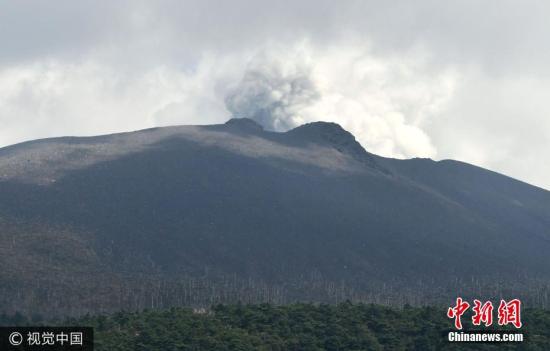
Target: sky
pixel 466 80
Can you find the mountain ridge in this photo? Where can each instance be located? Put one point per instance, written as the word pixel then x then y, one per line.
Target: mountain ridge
pixel 192 215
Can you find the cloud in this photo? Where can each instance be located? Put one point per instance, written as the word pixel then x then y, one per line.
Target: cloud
pixel 498 122
pixel 275 90
pixel 457 79
pixel 383 101
pixel 50 98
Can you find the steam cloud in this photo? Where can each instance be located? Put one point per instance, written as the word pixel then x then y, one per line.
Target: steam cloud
pixel 377 100
pixel 274 94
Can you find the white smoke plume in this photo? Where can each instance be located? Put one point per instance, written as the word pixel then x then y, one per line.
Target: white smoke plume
pixel 274 92
pixel 383 102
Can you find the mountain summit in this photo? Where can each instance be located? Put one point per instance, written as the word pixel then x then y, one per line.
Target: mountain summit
pixel 195 215
pixel 335 136
pixel 244 123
